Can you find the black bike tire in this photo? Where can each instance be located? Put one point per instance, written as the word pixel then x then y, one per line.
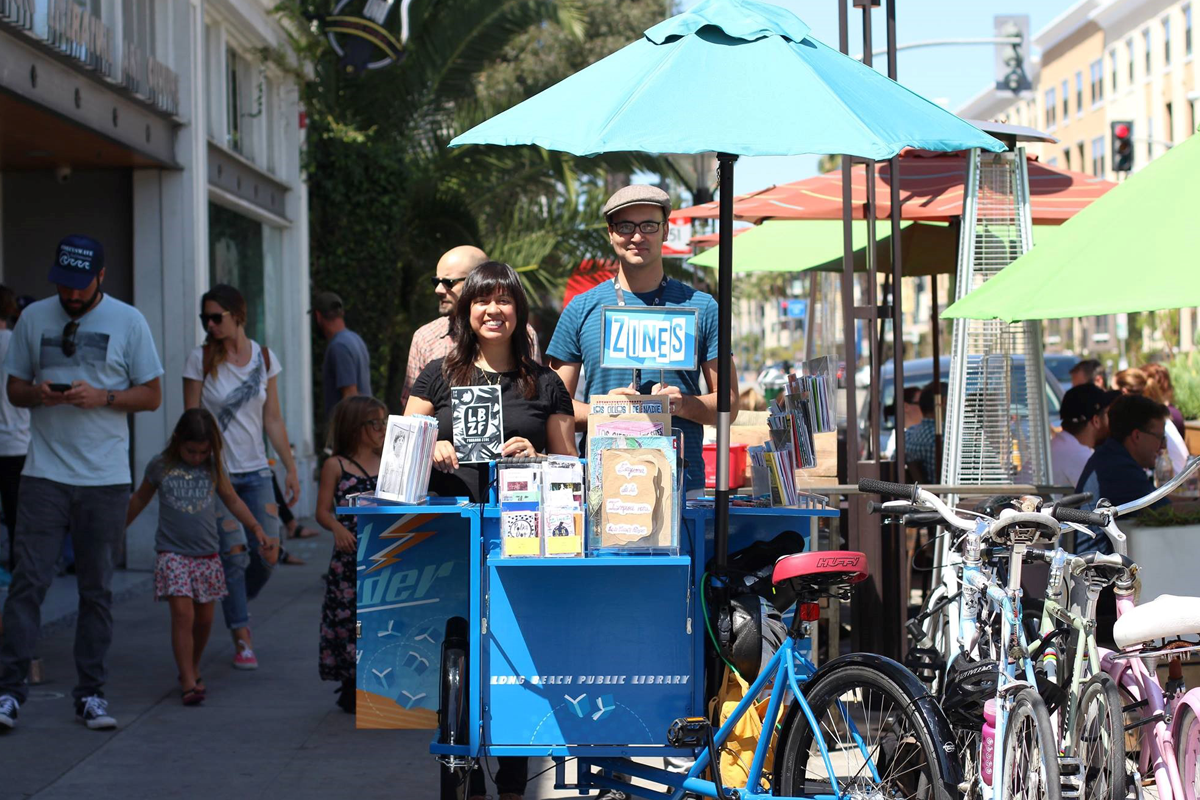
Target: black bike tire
pixel 453 705
pixel 792 755
pixel 1029 704
pixel 1102 688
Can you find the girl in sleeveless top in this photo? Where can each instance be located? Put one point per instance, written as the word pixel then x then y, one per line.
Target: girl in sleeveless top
pixel 356 438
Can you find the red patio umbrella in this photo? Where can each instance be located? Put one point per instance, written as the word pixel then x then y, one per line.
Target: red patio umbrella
pixel 931 189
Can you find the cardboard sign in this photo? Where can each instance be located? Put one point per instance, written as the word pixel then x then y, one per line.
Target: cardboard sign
pixel 649 337
pixel 636 497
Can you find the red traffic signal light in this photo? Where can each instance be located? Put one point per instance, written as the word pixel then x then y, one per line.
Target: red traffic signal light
pixel 1122 146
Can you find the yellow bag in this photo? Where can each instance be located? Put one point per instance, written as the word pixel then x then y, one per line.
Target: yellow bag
pixel 738 750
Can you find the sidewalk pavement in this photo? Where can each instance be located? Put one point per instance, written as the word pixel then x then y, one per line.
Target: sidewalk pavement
pixel 273 733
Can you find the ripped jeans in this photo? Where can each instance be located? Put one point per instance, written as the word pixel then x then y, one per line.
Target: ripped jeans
pixel 246 572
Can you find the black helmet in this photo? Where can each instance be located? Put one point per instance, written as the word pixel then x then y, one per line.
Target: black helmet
pixel 969 684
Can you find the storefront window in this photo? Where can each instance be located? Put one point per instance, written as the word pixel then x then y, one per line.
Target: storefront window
pixel 236 257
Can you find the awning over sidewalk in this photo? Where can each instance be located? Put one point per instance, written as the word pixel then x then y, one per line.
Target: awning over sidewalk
pixel 931 189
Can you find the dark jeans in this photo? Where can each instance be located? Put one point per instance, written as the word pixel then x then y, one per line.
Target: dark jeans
pixel 10 481
pixel 511 776
pixel 94 517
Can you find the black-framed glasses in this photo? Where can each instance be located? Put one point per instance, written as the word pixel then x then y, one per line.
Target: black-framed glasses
pixel 1162 437
pixel 376 425
pixel 68 338
pixel 445 283
pixel 626 228
pixel 215 319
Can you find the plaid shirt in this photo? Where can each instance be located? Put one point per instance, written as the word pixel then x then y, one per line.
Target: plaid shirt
pixel 920 444
pixel 432 341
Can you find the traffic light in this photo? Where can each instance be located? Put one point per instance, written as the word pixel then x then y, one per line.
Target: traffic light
pixel 1122 146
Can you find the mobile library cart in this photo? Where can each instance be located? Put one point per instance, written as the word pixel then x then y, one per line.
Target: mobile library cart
pixel 591 657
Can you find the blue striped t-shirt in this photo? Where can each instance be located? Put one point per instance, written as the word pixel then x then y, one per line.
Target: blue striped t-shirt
pixel 579 337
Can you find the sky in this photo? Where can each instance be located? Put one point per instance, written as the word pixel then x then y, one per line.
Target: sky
pixel 949 75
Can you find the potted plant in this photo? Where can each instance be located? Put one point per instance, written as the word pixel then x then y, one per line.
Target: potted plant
pixel 1164 542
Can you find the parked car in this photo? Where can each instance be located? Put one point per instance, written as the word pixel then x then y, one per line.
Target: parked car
pixel 1060 364
pixel 919 372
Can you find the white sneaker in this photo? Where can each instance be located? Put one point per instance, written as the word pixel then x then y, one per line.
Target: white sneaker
pixel 8 710
pixel 93 712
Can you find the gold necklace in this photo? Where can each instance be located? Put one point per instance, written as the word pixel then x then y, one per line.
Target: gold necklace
pixel 486 373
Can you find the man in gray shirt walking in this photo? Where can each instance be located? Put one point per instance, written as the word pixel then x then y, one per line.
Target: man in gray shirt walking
pixel 346 370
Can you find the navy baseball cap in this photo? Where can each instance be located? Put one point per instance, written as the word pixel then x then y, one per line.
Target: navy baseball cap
pixel 77 262
pixel 1085 401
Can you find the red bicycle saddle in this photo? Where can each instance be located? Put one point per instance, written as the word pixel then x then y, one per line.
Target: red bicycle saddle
pixel 825 568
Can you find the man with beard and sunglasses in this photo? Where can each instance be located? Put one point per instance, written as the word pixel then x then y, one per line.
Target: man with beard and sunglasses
pixel 81 361
pixel 435 340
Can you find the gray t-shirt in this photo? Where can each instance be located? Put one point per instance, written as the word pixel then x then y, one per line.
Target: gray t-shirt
pixel 347 363
pixel 187 518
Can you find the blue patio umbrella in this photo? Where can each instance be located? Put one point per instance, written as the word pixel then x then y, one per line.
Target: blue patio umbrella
pixel 768 87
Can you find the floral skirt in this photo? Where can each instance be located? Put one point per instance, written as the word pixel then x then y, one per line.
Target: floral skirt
pixel 337 647
pixel 201 578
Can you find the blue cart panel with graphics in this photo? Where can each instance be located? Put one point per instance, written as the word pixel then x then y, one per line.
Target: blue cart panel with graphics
pixel 414 573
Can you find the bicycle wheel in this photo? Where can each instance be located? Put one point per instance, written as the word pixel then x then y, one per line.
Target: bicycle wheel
pixel 1030 752
pixel 1187 749
pixel 454 705
pixel 864 702
pixel 1098 740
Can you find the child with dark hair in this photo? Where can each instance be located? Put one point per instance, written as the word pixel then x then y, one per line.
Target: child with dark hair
pixel 188 477
pixel 356 439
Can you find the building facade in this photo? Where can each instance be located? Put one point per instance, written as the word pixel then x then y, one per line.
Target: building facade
pixel 159 128
pixel 1102 62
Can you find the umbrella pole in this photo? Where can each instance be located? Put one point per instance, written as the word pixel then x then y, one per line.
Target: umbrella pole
pixel 724 357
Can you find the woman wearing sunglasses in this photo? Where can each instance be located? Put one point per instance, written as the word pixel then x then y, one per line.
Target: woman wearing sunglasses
pixel 232 376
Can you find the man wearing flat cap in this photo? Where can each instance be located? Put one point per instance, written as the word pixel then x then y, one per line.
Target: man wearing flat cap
pixel 637 227
pixel 81 361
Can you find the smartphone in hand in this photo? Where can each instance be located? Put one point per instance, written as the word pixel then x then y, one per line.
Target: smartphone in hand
pixel 60 387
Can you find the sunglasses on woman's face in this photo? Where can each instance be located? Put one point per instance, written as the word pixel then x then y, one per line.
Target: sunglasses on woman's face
pixel 215 319
pixel 376 425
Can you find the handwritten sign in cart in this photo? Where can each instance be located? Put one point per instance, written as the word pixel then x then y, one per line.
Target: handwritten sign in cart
pixel 649 337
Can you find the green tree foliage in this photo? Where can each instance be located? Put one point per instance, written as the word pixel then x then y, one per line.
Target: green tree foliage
pixel 388 197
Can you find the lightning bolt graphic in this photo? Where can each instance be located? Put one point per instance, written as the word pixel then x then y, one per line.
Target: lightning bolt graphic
pixel 406 536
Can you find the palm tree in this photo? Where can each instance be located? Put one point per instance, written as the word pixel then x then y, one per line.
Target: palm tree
pixel 388 197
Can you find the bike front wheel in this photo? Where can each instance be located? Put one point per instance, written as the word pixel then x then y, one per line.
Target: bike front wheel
pixel 1030 752
pixel 879 740
pixel 1098 739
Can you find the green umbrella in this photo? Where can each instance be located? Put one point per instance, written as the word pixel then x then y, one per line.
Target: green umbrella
pixel 928 248
pixel 1133 249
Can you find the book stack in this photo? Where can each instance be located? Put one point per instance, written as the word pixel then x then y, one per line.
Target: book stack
pixel 407 459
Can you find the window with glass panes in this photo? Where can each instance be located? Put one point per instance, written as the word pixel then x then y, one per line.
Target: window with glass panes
pixel 1146 45
pixel 1113 58
pixel 1097 76
pixel 1129 47
pixel 1098 156
pixel 1051 108
pixel 1065 95
pixel 1166 26
pixel 1078 92
pixel 1187 30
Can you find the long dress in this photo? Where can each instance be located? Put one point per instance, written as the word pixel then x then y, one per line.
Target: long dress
pixel 337 649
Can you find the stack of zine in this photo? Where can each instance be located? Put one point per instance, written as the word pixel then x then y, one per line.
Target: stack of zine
pixel 407 459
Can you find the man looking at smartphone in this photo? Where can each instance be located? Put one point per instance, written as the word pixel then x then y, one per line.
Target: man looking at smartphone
pixel 81 362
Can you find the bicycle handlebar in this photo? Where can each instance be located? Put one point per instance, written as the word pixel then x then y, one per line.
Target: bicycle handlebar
pixel 1137 505
pixel 1073 500
pixel 904 491
pixel 1079 517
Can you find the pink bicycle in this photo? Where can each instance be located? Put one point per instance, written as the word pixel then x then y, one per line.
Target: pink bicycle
pixel 1162 723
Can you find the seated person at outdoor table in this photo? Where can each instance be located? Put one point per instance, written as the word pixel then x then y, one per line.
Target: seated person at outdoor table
pixel 1084 426
pixel 1119 469
pixel 637 227
pixel 537 410
pixel 920 441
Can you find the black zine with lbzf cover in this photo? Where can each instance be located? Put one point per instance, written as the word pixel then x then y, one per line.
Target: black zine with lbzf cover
pixel 478 422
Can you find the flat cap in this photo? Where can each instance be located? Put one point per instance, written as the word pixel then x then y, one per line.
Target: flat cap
pixel 638 194
pixel 328 303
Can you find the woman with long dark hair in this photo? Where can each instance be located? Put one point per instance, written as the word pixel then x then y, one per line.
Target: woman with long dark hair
pixel 491 347
pixel 234 377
